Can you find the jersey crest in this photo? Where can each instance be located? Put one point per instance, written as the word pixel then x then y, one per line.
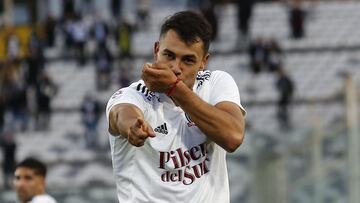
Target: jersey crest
pixel 202 76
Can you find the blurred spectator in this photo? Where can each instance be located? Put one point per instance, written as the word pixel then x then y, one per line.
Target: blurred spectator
pixel 15 99
pixel 45 91
pixel 67 27
pixel 68 7
pixel 275 56
pixel 32 71
pixel 207 8
pixel 297 18
pixel 8 145
pixel 265 54
pixel 143 14
pixel 13 47
pixel 2 104
pixel 2 111
pixel 35 42
pixel 35 61
pixel 257 54
pixel 100 31
pixel 126 66
pixel 116 7
pixel 103 61
pixel 123 35
pixel 124 78
pixel 50 25
pixel 79 35
pixel 29 182
pixel 91 111
pixel 244 15
pixel 285 87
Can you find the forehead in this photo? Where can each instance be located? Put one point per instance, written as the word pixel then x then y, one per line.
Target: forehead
pixel 24 171
pixel 172 41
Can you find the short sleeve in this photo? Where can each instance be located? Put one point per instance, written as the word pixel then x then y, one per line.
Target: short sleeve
pixel 125 95
pixel 224 88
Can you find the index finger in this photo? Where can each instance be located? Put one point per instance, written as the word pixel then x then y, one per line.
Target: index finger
pixel 145 128
pixel 150 132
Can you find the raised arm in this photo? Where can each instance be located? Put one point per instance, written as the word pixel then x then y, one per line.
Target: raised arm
pixel 128 121
pixel 223 123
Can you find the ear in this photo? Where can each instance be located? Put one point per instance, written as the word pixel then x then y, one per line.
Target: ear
pixel 156 50
pixel 204 61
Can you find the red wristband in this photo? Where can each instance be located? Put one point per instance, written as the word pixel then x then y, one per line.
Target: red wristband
pixel 172 89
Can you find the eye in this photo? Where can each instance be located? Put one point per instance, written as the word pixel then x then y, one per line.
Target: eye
pixel 189 61
pixel 28 177
pixel 168 55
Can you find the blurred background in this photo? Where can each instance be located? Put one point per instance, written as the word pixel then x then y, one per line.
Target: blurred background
pixel 296 63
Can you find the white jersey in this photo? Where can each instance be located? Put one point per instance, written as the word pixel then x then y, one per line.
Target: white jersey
pixel 180 164
pixel 44 198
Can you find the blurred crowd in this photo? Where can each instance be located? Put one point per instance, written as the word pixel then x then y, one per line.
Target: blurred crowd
pixel 27 88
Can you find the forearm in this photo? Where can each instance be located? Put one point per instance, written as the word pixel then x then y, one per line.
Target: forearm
pixel 122 117
pixel 222 124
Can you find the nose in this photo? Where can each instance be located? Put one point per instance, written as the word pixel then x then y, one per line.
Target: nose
pixel 176 67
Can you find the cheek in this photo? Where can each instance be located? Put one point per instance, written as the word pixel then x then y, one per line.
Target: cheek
pixel 189 75
pixel 31 186
pixel 191 70
pixel 160 58
pixel 18 186
pixel 23 188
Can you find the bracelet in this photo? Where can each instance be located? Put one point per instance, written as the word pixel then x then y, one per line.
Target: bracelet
pixel 172 89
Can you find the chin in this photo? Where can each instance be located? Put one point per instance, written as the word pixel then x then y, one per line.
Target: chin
pixel 24 198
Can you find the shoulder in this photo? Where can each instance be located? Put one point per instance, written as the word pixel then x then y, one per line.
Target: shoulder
pixel 211 76
pixel 220 73
pixel 147 95
pixel 141 88
pixel 137 89
pixel 43 199
pixel 137 94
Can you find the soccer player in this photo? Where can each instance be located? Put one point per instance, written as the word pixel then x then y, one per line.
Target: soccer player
pixel 171 130
pixel 29 182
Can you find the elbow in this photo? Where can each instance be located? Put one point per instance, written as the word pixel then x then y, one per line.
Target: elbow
pixel 235 143
pixel 237 138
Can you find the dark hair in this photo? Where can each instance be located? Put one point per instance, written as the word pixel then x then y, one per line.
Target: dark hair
pixel 190 26
pixel 34 164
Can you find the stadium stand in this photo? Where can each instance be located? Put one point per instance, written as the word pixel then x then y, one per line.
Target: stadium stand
pixel 315 63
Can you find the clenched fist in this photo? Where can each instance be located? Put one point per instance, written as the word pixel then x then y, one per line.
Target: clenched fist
pixel 158 77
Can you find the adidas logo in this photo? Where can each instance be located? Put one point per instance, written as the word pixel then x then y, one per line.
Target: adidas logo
pixel 161 129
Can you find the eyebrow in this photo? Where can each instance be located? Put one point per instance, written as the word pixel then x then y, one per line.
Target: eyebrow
pixel 168 51
pixel 185 56
pixel 24 176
